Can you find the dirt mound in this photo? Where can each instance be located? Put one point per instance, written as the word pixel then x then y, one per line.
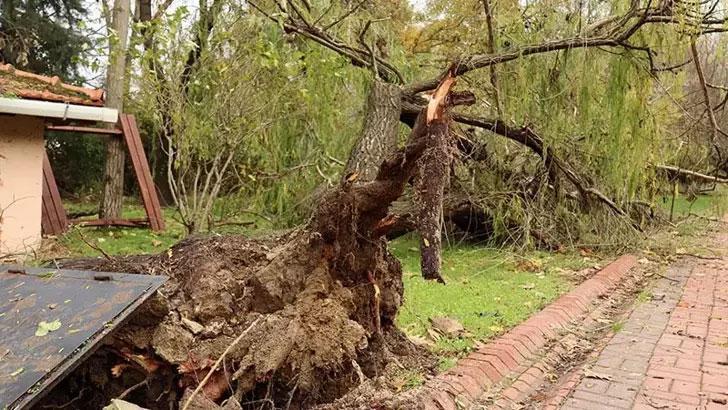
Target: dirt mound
pixel 320 333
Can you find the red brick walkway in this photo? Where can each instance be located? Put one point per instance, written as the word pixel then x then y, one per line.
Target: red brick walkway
pixel 671 353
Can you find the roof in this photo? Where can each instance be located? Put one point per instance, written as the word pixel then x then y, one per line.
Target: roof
pixel 52 319
pixel 26 85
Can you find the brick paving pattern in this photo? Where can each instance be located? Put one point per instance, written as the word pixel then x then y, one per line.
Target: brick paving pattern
pixel 511 353
pixel 672 352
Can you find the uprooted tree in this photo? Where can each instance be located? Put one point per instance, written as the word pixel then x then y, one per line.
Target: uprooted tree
pixel 323 298
pixel 302 318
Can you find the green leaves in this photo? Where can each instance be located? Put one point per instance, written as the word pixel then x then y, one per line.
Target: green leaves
pixel 46 327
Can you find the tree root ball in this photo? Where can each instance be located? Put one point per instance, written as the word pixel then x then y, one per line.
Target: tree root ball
pixel 326 325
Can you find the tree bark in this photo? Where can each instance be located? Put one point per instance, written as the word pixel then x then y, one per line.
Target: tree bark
pixel 491 50
pixel 715 128
pixel 380 131
pixel 433 177
pixel 113 193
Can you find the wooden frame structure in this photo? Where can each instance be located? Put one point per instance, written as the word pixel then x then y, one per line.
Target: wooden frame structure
pixel 54 219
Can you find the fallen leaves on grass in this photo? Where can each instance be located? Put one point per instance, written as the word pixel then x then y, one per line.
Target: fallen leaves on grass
pixel 421 341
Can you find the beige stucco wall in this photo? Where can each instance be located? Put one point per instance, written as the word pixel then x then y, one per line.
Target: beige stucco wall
pixel 21 179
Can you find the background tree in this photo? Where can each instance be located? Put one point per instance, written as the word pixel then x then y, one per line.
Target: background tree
pixel 44 36
pixel 212 108
pixel 113 188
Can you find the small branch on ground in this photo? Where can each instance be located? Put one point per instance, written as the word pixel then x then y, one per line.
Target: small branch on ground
pixel 92 245
pixel 132 389
pixel 694 255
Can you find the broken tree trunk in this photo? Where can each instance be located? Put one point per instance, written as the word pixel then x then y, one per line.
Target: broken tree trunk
pixel 434 175
pixel 324 299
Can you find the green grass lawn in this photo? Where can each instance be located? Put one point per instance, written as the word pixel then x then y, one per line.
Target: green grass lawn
pixel 119 240
pixel 130 241
pixel 488 290
pixel 709 204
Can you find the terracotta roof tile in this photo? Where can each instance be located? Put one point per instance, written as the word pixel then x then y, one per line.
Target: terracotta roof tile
pixel 39 87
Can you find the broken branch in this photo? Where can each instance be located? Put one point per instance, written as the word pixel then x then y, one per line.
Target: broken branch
pixel 673 170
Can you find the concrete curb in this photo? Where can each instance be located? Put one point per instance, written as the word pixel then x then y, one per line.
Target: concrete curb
pixel 462 385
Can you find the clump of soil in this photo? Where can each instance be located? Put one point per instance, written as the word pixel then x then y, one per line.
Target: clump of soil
pixel 320 333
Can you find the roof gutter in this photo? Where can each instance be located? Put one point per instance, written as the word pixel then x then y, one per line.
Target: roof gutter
pixel 57 110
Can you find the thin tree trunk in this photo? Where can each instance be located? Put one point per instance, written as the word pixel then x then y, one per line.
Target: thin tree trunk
pixel 115 154
pixel 491 50
pixel 380 131
pixel 715 128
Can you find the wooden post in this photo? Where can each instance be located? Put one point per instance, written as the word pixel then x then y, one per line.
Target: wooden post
pixel 53 218
pixel 141 171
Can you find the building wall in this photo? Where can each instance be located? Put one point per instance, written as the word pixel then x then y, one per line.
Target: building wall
pixel 21 183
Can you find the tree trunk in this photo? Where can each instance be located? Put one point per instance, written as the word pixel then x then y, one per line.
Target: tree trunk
pixel 113 193
pixel 380 131
pixel 433 177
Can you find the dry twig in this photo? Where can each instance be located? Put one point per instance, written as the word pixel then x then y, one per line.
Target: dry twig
pixel 217 363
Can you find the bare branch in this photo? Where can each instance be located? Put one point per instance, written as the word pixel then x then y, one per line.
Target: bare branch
pixel 162 9
pixel 358 57
pixel 344 16
pixel 673 170
pixel 716 87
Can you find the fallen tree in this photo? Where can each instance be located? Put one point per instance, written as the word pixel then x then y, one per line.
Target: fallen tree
pixel 297 319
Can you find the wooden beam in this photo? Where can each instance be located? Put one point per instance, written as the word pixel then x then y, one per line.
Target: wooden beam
pixel 131 222
pixel 84 130
pixel 53 216
pixel 54 219
pixel 142 172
